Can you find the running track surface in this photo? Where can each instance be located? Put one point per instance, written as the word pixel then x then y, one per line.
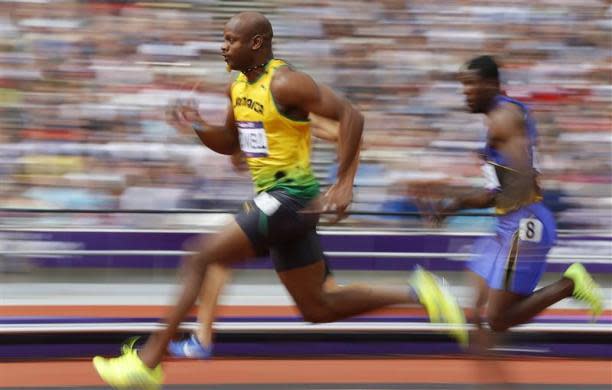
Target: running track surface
pixel 149 311
pixel 308 374
pixel 294 374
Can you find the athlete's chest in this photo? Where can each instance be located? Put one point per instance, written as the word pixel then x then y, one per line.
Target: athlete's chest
pixel 251 105
pixel 251 100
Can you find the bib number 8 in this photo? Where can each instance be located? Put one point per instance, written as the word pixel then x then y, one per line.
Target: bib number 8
pixel 530 229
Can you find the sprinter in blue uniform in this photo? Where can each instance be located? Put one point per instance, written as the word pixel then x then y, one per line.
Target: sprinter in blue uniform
pixel 508 266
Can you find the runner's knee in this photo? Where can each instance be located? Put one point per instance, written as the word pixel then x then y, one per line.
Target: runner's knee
pixel 193 244
pixel 317 314
pixel 199 256
pixel 317 310
pixel 497 322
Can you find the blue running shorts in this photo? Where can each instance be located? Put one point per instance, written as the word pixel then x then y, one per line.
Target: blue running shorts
pixel 514 259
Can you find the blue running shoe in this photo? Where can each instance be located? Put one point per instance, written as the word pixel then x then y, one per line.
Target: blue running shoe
pixel 189 348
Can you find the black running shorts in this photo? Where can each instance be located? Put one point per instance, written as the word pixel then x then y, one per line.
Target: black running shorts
pixel 275 226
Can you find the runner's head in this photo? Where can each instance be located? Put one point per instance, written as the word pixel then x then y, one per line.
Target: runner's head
pixel 247 41
pixel 480 79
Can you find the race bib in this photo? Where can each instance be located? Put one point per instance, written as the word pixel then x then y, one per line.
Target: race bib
pixel 530 229
pixel 267 203
pixel 253 140
pixel 491 179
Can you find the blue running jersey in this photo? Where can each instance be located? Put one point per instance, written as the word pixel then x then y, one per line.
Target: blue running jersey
pixel 514 258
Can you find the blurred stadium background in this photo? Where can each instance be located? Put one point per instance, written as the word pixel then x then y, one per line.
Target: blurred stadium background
pixel 84 85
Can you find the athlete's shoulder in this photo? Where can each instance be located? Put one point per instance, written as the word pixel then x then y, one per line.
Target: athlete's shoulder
pixel 504 122
pixel 287 80
pixel 286 72
pixel 512 105
pixel 506 114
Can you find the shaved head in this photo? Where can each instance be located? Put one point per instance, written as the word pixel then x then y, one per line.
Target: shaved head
pixel 247 41
pixel 250 24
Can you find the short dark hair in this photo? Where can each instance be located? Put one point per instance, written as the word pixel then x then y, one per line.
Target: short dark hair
pixel 485 66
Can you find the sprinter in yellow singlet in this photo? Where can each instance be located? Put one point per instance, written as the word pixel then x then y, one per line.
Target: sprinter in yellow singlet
pixel 199 344
pixel 268 120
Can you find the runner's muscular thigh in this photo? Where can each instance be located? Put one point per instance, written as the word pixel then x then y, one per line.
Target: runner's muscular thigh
pixel 228 246
pixel 305 284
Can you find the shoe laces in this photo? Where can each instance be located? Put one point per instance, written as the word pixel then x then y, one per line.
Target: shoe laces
pixel 128 347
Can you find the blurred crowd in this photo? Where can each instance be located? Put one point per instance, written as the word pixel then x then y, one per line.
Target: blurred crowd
pixel 84 86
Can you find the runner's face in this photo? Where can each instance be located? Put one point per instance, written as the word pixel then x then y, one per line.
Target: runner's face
pixel 237 48
pixel 475 90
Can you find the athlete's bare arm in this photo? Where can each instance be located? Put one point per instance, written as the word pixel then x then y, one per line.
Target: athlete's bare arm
pixel 299 94
pixel 221 139
pixel 323 128
pixel 507 135
pixel 327 130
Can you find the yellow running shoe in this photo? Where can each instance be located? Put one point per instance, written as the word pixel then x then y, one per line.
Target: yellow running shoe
pixel 440 304
pixel 128 371
pixel 428 292
pixel 585 288
pixel 453 315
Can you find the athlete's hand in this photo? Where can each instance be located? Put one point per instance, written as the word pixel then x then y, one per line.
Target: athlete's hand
pixel 239 162
pixel 434 212
pixel 426 197
pixel 183 115
pixel 173 120
pixel 337 199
